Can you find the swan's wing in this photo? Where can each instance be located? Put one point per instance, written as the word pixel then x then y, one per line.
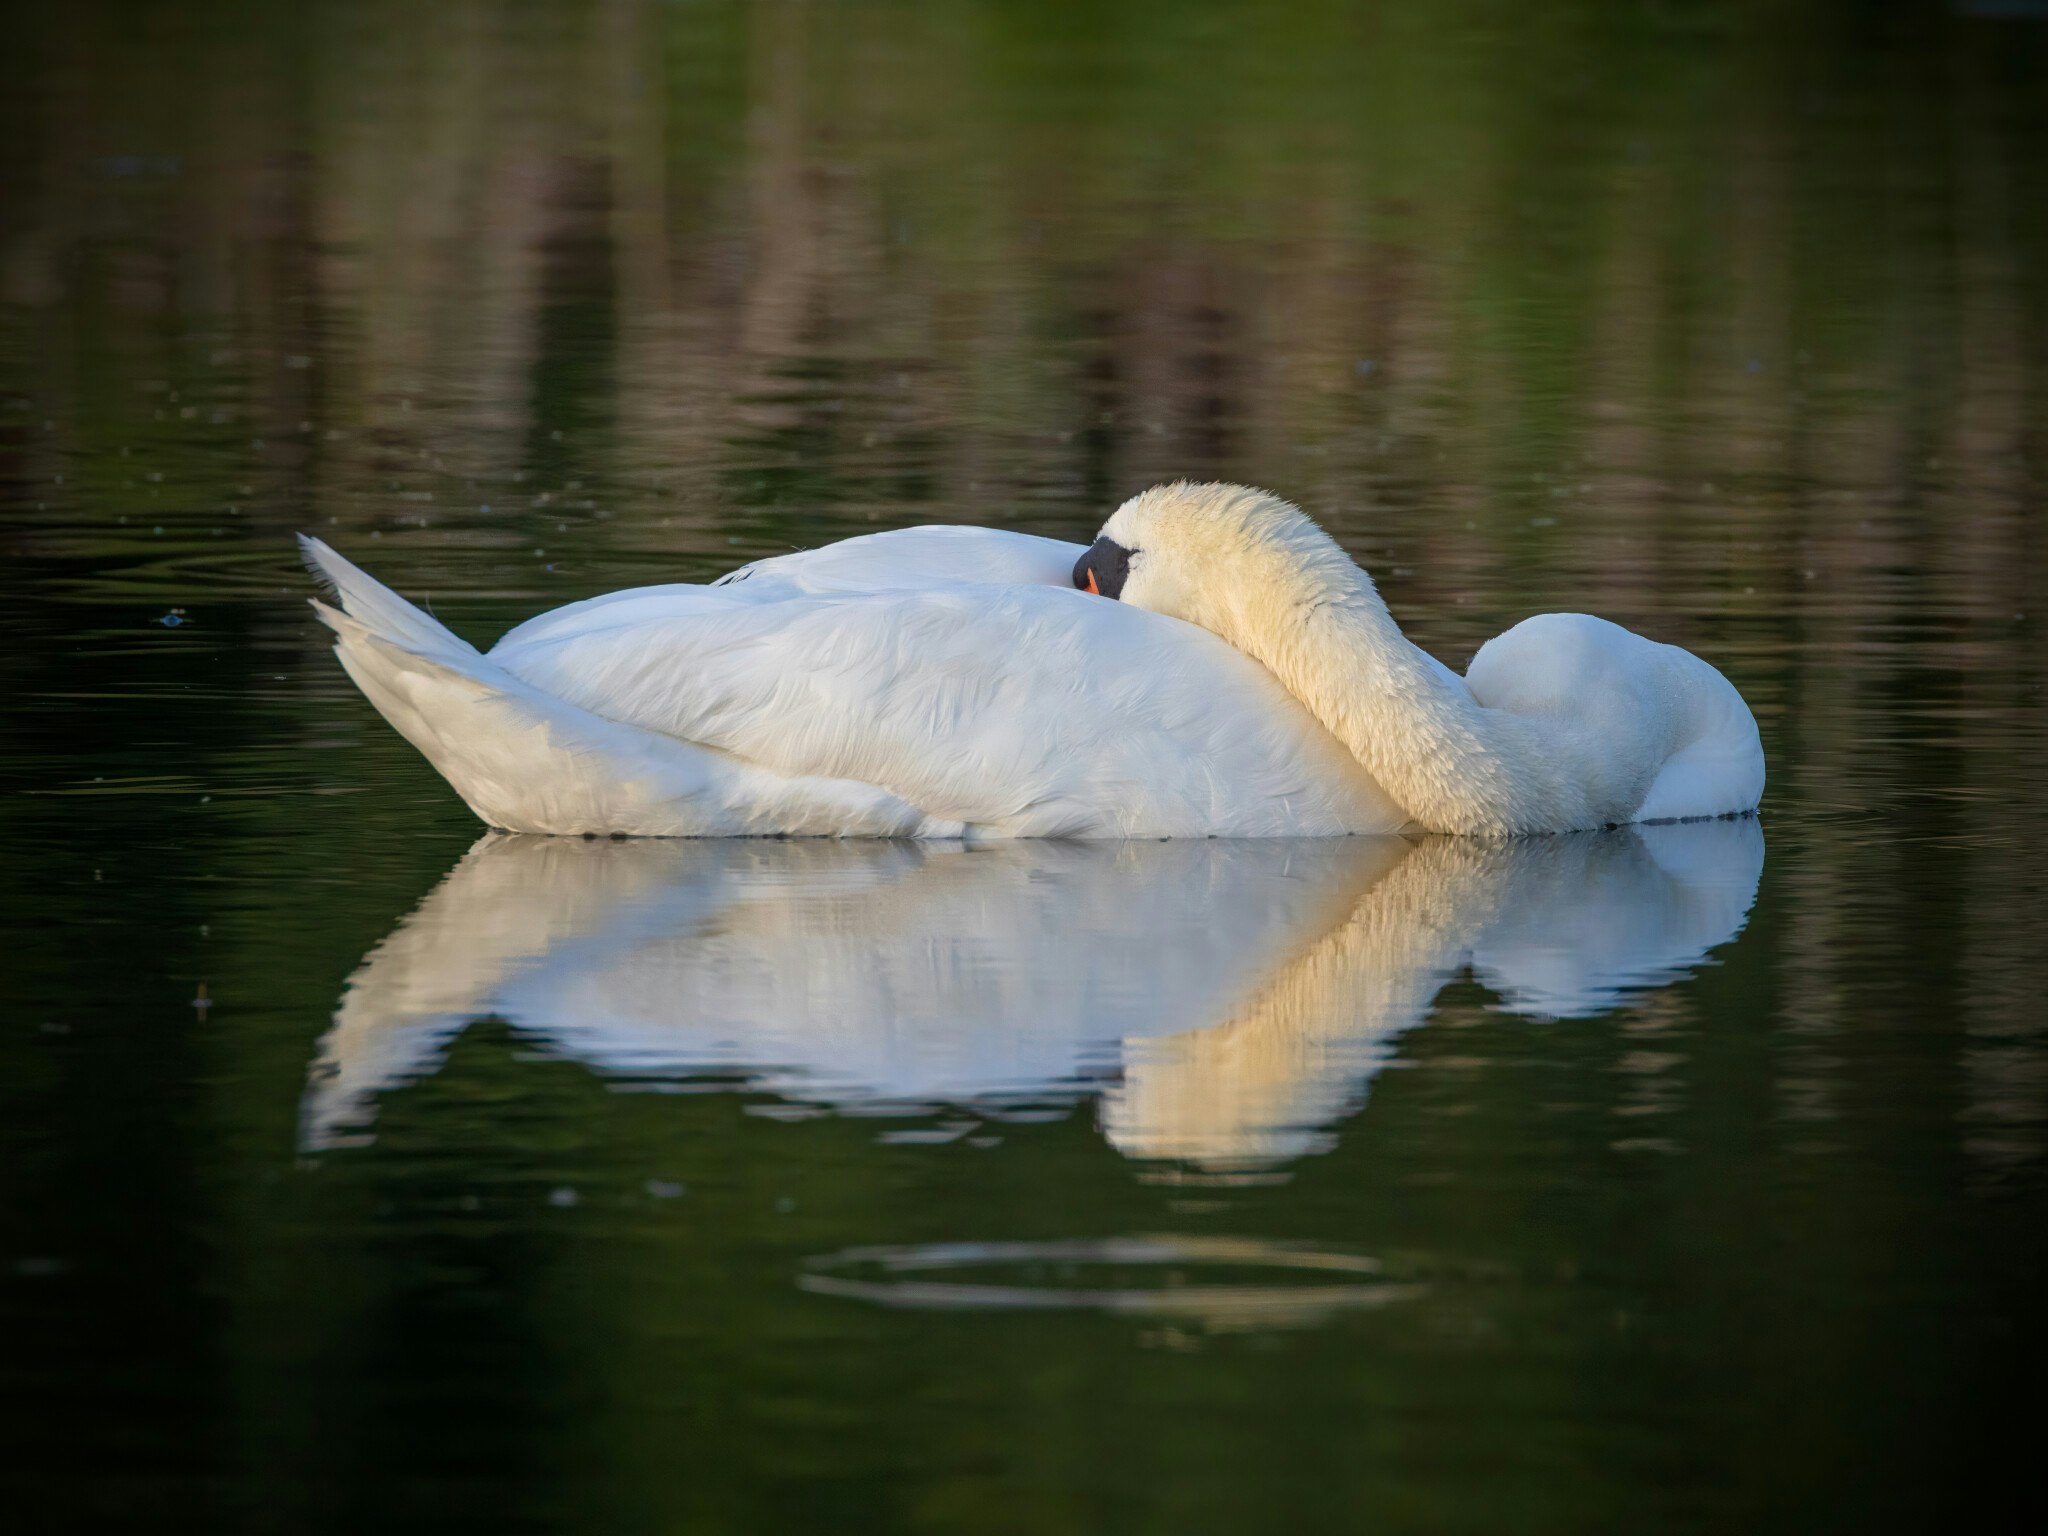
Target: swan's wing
pixel 898 560
pixel 1018 709
pixel 906 559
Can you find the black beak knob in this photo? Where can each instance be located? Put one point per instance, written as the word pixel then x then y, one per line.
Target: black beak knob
pixel 1103 568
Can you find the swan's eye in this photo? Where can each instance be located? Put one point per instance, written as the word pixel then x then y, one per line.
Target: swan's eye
pixel 1103 569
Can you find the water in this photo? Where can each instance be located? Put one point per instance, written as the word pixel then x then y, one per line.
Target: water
pixel 352 1174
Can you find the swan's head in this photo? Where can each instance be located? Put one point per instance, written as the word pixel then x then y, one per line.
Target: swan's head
pixel 1216 555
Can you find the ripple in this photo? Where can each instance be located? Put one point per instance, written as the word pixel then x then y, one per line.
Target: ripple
pixel 1215 1281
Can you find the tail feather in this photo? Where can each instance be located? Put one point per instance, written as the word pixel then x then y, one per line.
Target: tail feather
pixel 529 762
pixel 379 609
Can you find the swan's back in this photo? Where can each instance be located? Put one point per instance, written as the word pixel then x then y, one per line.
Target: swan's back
pixel 896 560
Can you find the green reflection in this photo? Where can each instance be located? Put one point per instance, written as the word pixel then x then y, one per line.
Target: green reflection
pixel 1721 320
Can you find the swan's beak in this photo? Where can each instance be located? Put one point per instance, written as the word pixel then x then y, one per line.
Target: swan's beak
pixel 1103 569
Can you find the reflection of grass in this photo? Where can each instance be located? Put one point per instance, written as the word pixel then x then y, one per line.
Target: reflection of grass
pixel 587 240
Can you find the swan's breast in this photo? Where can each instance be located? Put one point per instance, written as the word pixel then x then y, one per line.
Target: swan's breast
pixel 1642 729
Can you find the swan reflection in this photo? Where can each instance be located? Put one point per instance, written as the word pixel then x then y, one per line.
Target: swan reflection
pixel 1226 1000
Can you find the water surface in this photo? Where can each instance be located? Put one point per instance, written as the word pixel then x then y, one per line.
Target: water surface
pixel 357 1172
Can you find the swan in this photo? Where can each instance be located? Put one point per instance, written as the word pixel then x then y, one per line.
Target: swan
pixel 1213 665
pixel 1224 1002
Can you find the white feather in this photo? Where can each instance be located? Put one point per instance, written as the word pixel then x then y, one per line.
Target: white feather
pixel 941 682
pixel 927 682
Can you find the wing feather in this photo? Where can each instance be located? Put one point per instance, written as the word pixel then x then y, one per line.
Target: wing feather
pixel 1018 707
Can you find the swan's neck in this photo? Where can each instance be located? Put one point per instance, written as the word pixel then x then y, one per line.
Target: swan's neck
pixel 1410 721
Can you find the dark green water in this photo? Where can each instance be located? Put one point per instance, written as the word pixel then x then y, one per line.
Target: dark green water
pixel 351 1179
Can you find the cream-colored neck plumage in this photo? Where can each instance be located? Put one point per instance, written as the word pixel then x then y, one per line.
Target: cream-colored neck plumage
pixel 1295 602
pixel 1409 721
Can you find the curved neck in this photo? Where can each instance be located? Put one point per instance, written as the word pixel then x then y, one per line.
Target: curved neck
pixel 1410 721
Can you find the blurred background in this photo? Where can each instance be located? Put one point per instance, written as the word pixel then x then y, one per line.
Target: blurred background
pixel 1726 321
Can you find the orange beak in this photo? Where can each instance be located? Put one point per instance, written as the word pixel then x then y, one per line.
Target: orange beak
pixel 1091 584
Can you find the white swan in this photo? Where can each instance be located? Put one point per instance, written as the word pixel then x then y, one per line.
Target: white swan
pixel 1228 1001
pixel 947 682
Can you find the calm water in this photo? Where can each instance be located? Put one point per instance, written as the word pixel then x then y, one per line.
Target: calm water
pixel 359 1174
